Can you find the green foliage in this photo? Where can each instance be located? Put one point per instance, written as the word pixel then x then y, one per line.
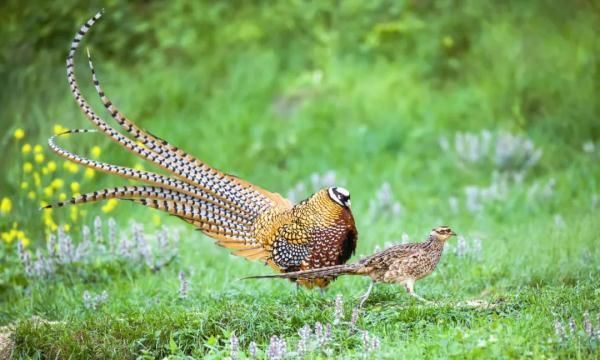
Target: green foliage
pixel 274 92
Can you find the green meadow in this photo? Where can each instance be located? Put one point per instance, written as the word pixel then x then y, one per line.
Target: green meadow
pixel 480 115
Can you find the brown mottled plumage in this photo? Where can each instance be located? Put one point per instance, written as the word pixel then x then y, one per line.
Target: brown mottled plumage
pixel 255 223
pixel 400 264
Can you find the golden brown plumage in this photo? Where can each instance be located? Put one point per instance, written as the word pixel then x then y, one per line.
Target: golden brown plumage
pixel 253 222
pixel 400 264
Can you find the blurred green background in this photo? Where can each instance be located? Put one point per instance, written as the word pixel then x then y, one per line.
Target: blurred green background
pixel 273 92
pixel 482 115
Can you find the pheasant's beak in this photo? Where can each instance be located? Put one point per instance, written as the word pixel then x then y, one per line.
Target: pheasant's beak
pixel 452 233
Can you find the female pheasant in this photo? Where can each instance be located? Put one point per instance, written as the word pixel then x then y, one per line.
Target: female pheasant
pixel 399 264
pixel 255 223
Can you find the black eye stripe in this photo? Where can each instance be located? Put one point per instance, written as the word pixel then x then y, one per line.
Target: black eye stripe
pixel 340 195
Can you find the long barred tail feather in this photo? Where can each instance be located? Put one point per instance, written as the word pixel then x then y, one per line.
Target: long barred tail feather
pixel 319 273
pixel 207 217
pixel 225 191
pixel 207 213
pixel 204 219
pixel 221 205
pixel 144 176
pixel 172 154
pixel 128 192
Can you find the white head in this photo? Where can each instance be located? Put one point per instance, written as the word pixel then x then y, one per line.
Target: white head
pixel 340 196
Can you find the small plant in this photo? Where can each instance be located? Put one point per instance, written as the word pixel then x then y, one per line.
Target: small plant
pixel 64 255
pixel 505 151
pixel 586 333
pixel 468 248
pixel 94 301
pixel 317 340
pixel 384 204
pixel 184 285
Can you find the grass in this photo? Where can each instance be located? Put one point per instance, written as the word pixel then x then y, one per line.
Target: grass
pixel 274 94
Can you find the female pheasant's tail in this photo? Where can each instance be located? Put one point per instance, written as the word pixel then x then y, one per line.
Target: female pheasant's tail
pixel 319 273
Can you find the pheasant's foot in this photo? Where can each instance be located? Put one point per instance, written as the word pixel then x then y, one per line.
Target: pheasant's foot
pixel 423 300
pixel 365 296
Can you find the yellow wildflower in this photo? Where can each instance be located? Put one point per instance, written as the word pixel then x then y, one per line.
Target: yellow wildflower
pixel 44 171
pixel 51 166
pixel 62 197
pixel 48 191
pixel 67 227
pixel 75 187
pixel 5 205
pixel 59 129
pixel 138 167
pixel 36 179
pixel 27 167
pixel 26 149
pixel 25 241
pixel 109 206
pixel 38 149
pixel 24 185
pixel 156 219
pixel 19 134
pixel 74 213
pixel 31 195
pixel 89 173
pixel 72 167
pixel 39 158
pixel 50 224
pixel 96 151
pixel 57 183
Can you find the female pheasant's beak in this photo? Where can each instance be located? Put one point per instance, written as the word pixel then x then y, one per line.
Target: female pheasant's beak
pixel 452 233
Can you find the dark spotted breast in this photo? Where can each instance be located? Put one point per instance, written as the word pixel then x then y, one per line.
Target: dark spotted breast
pixel 335 244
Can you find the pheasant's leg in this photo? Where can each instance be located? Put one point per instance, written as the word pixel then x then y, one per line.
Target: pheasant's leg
pixel 365 296
pixel 410 287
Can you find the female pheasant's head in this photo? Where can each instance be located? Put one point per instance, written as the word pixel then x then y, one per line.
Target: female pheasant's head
pixel 340 196
pixel 442 233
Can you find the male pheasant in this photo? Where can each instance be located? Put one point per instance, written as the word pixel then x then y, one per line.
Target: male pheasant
pixel 255 223
pixel 400 264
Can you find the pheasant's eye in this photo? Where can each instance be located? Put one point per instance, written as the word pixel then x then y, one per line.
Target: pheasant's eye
pixel 340 196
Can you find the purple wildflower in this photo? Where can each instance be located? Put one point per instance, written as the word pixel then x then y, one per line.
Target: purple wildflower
pixel 252 349
pixel 98 230
pixel 234 346
pixel 339 309
pixel 587 325
pixel 25 257
pixel 183 286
